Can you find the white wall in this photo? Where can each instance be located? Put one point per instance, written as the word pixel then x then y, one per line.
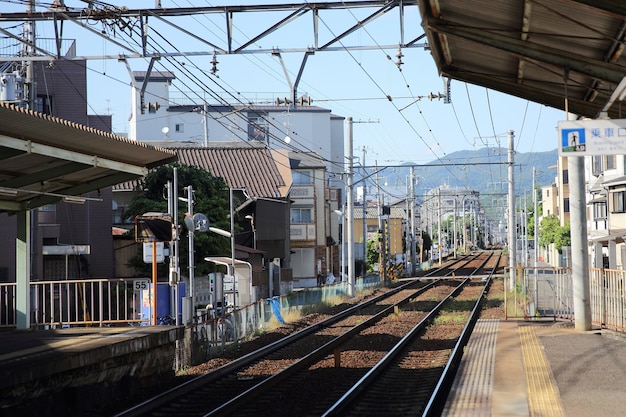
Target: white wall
pixel 311 128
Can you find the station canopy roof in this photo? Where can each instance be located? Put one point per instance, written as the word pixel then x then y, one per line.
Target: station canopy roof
pixel 545 51
pixel 44 159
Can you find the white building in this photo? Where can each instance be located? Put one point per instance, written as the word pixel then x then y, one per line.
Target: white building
pixel 311 136
pixel 156 118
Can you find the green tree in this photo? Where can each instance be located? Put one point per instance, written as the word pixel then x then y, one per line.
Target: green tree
pixel 551 231
pixel 211 197
pixel 373 252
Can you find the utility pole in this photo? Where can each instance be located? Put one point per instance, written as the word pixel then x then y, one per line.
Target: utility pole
pixel 30 84
pixel 536 220
pixel 350 207
pixel 205 112
pixel 512 220
pixel 407 226
pixel 412 212
pixel 364 204
pixel 454 219
pixel 382 264
pixel 580 252
pixel 439 244
pixel 190 240
pixel 175 256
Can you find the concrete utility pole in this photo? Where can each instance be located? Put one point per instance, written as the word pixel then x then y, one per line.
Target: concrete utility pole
pixel 512 214
pixel 454 241
pixel 190 240
pixel 364 202
pixel 536 220
pixel 580 256
pixel 30 85
pixel 382 264
pixel 413 229
pixel 350 207
pixel 440 243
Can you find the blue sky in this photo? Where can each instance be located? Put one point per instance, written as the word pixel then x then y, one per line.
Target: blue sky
pixel 407 128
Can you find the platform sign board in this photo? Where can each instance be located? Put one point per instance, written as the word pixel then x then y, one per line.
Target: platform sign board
pixel 147 252
pixel 592 137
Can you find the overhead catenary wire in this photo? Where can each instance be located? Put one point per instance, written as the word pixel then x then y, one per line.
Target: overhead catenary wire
pixel 380 98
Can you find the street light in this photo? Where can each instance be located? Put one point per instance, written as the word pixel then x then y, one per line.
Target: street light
pixel 251 218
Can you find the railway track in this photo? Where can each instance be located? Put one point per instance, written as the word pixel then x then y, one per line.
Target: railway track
pixel 326 368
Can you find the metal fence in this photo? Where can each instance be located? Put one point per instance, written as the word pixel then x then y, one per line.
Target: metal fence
pixel 608 298
pixel 116 302
pixel 540 292
pixel 94 302
pixel 547 292
pixel 212 332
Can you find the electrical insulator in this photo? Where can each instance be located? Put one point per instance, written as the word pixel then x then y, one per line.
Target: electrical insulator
pixel 399 55
pixel 214 63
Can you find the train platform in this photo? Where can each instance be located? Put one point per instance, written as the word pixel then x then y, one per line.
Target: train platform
pixel 66 369
pixel 548 369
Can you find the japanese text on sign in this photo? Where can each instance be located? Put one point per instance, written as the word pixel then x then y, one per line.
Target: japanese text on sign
pixel 592 137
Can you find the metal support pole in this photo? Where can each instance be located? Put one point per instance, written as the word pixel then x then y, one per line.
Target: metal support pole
pixel 536 220
pixel 206 125
pixel 382 269
pixel 350 208
pixel 512 219
pixel 175 259
pixel 343 243
pixel 191 248
pixel 454 241
pixel 413 228
pixel 232 248
pixel 439 245
pixel 364 202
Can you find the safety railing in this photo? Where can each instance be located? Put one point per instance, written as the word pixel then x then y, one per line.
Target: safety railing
pixel 8 312
pixel 213 331
pixel 608 298
pixel 93 302
pixel 548 292
pixel 539 292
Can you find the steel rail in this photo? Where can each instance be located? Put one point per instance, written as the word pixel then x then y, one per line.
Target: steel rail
pixel 202 380
pixel 346 401
pixel 437 400
pixel 312 357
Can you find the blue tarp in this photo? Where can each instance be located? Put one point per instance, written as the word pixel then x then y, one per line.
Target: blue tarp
pixel 275 303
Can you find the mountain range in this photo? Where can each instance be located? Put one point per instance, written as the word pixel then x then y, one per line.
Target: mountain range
pixel 484 170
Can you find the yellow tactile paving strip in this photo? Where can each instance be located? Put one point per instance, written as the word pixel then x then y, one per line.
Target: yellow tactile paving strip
pixel 543 395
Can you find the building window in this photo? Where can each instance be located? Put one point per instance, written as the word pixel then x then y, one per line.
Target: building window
pixel 44 105
pixel 258 129
pixel 565 177
pixel 618 202
pixel 566 205
pixel 301 215
pixel 180 128
pixel 303 177
pixel 599 211
pixel 596 165
pixel 118 211
pixel 547 193
pixel 609 162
